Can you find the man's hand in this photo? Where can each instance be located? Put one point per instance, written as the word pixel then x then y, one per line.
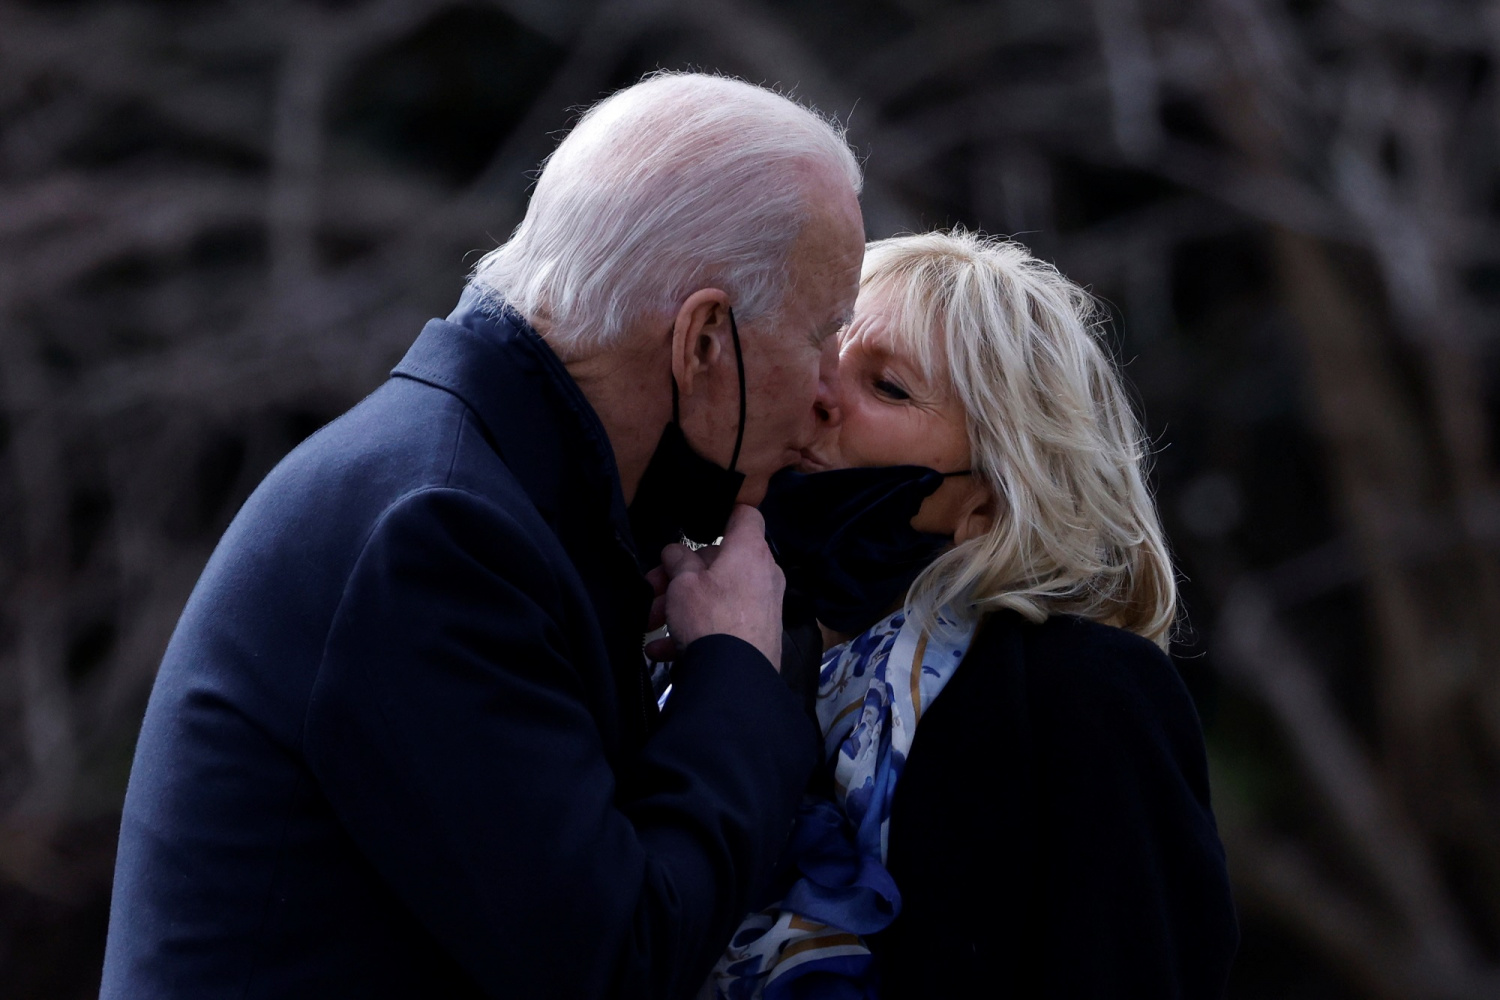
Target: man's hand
pixel 732 588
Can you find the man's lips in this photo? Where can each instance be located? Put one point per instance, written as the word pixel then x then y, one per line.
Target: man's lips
pixel 811 463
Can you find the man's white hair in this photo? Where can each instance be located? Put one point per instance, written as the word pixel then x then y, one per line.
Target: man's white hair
pixel 682 181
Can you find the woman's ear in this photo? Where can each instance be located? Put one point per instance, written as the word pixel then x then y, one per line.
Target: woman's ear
pixel 977 515
pixel 701 324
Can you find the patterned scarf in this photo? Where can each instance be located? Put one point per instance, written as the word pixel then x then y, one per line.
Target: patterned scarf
pixel 871 693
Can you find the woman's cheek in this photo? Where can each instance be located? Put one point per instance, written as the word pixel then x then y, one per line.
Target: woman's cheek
pixel 860 430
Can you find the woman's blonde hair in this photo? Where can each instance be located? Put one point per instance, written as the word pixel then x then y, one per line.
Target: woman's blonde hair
pixel 1051 431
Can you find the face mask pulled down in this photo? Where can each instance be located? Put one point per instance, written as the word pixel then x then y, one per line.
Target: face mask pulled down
pixel 682 494
pixel 844 537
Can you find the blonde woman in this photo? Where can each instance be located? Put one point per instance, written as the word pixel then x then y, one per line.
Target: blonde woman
pixel 975 533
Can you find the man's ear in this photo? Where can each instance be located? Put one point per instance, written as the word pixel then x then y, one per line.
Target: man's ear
pixel 699 333
pixel 977 515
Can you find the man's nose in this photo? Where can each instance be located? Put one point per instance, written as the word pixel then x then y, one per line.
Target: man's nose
pixel 827 405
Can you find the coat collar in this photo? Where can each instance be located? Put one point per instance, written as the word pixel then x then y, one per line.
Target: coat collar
pixel 532 411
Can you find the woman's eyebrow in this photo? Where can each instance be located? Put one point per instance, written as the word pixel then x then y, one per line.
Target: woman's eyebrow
pixel 909 368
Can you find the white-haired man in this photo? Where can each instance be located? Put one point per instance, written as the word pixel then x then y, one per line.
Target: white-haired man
pixel 403 743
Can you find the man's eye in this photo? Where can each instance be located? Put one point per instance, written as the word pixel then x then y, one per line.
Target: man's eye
pixel 890 389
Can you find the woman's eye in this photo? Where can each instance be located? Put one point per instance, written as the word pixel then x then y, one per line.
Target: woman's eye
pixel 890 389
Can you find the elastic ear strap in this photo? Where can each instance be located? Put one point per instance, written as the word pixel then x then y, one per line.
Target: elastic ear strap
pixel 674 400
pixel 960 472
pixel 739 360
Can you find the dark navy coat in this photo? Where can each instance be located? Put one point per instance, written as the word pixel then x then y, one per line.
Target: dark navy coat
pixel 401 743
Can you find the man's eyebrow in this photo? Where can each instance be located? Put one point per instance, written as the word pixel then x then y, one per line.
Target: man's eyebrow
pixel 831 328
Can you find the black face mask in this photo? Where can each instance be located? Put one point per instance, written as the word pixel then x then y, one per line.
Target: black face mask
pixel 844 538
pixel 682 493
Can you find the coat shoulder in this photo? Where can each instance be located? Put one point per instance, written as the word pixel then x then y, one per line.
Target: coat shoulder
pixel 1073 664
pixel 1084 692
pixel 1090 647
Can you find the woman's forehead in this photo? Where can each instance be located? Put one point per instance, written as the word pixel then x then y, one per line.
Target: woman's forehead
pixel 895 322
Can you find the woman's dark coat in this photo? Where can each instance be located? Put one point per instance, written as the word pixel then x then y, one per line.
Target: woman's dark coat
pixel 1051 834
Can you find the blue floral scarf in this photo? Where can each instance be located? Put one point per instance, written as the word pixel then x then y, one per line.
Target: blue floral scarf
pixel 872 692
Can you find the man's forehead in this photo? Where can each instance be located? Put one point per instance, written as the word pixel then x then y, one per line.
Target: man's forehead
pixel 825 265
pixel 833 239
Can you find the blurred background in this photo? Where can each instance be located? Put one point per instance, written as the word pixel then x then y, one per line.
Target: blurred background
pixel 221 224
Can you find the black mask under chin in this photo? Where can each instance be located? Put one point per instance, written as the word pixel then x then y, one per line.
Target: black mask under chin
pixel 682 494
pixel 844 538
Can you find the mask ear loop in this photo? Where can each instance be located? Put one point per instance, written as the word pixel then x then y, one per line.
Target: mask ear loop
pixel 739 361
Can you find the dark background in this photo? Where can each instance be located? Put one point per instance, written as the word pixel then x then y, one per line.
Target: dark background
pixel 221 223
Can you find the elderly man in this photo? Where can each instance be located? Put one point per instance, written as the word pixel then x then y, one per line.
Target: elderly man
pixel 402 743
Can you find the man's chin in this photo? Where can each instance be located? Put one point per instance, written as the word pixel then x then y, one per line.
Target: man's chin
pixel 752 492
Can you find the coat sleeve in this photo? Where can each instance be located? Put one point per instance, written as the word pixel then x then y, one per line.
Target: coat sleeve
pixel 1134 892
pixel 456 740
